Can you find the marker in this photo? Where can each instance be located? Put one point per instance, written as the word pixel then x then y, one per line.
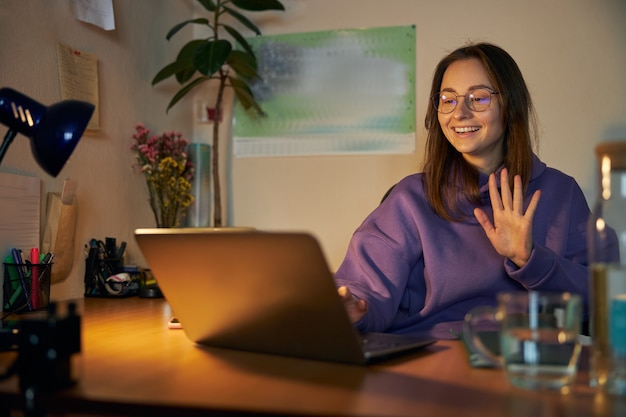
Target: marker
pixel 34 278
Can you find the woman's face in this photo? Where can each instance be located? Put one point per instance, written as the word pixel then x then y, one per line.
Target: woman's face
pixel 478 136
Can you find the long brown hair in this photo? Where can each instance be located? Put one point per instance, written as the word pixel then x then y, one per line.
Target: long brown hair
pixel 448 178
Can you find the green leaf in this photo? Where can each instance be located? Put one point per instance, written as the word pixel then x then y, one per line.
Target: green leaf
pixel 183 66
pixel 236 83
pixel 243 20
pixel 258 5
pixel 208 4
pixel 175 29
pixel 245 96
pixel 239 38
pixel 188 51
pixel 211 55
pixel 166 72
pixel 186 67
pixel 186 89
pixel 243 63
pixel 185 75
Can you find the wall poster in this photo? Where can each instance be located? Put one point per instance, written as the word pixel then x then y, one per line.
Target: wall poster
pixel 332 92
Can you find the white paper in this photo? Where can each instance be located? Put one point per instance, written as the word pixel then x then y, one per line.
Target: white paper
pixel 96 12
pixel 19 215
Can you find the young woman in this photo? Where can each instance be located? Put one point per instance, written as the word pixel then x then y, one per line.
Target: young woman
pixel 485 216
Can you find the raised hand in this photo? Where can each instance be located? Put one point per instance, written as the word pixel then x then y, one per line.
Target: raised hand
pixel 511 230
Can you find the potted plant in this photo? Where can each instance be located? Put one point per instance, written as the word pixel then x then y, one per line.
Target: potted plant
pixel 230 64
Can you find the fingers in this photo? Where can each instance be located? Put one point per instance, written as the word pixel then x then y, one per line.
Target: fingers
pixel 505 190
pixel 502 199
pixel 518 195
pixel 494 195
pixel 349 300
pixel 344 293
pixel 355 307
pixel 483 220
pixel 532 206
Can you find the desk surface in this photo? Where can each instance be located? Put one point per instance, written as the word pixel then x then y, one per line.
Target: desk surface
pixel 132 364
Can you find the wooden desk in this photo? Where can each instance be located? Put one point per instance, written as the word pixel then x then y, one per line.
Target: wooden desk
pixel 131 364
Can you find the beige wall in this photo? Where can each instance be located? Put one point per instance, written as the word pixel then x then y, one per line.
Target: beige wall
pixel 111 198
pixel 572 52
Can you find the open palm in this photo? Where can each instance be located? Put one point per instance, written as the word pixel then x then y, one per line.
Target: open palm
pixel 511 230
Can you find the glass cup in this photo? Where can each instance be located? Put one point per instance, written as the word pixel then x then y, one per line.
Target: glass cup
pixel 538 337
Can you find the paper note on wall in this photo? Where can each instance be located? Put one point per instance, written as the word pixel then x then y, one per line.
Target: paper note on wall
pixel 78 75
pixel 96 12
pixel 19 215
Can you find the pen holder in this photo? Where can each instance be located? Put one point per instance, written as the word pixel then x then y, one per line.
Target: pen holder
pixel 99 271
pixel 26 286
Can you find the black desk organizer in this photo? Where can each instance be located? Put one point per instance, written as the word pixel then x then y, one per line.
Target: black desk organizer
pixel 99 267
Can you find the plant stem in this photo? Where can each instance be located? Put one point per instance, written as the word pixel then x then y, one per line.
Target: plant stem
pixel 217 189
pixel 215 166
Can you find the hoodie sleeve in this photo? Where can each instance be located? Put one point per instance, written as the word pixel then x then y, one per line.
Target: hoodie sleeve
pixel 559 260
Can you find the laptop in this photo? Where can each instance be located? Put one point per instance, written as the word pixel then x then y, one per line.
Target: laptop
pixel 259 291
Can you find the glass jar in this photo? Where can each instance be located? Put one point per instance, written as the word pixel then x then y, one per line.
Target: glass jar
pixel 607 257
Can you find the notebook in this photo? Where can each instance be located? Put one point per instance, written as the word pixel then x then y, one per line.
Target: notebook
pixel 259 291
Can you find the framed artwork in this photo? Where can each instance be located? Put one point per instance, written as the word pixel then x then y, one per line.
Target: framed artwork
pixel 332 92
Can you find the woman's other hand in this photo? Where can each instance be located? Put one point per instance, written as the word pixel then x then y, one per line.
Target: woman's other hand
pixel 355 307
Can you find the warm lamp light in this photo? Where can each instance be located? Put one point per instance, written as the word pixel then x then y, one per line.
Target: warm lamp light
pixel 54 131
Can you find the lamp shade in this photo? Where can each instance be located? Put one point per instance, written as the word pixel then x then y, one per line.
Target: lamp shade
pixel 54 131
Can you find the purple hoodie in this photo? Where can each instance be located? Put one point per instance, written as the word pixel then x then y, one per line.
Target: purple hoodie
pixel 420 274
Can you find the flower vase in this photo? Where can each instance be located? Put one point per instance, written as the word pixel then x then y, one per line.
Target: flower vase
pixel 166 215
pixel 168 171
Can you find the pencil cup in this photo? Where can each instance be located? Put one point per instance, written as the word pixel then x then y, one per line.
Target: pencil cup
pixel 26 287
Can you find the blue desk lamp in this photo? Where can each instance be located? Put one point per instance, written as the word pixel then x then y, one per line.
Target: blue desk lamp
pixel 54 131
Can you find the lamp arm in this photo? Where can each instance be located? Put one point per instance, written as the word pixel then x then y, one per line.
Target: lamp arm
pixel 8 138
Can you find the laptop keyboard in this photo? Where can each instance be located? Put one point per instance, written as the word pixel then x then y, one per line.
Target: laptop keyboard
pixel 379 341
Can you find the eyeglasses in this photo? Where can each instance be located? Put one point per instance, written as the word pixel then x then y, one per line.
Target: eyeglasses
pixel 478 99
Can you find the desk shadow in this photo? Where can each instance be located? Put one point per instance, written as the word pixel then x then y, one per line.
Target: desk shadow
pixel 342 375
pixel 385 379
pixel 390 383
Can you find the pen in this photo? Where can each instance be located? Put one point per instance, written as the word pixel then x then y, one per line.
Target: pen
pixel 48 258
pixel 111 245
pixel 34 278
pixel 120 253
pixel 19 265
pixel 15 282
